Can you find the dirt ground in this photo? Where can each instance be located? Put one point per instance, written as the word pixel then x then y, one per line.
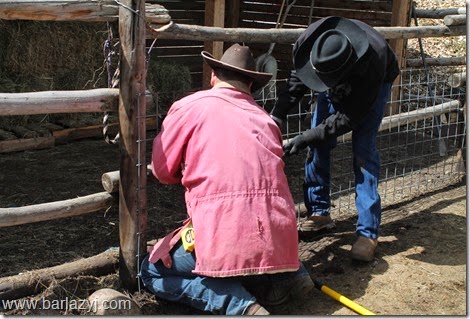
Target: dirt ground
pixel 420 267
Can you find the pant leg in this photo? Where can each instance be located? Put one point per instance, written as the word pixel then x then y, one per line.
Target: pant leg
pixel 282 282
pixel 223 296
pixel 366 163
pixel 317 166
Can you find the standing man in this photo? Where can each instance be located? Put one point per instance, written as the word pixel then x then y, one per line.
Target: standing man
pixel 352 68
pixel 238 251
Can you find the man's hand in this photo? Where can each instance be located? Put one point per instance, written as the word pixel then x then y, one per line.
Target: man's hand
pixel 295 145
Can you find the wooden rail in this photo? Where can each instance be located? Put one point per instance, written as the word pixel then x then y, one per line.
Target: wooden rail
pixel 457 79
pixel 13 216
pixel 63 136
pixel 247 35
pixel 48 102
pixel 450 61
pixel 439 13
pixel 110 180
pixel 74 10
pixel 455 19
pixel 396 120
pixel 32 282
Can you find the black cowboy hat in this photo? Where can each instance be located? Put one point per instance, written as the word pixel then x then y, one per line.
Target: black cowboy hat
pixel 239 58
pixel 325 55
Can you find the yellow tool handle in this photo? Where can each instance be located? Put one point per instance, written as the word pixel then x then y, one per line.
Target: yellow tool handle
pixel 344 300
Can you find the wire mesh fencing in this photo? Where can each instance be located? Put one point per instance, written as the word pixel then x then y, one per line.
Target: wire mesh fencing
pixel 421 142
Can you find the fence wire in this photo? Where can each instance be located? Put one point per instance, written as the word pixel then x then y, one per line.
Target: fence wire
pixel 421 142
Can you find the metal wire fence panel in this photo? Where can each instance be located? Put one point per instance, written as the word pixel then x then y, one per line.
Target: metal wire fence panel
pixel 422 144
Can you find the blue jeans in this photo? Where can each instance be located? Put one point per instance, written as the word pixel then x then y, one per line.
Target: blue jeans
pixel 366 166
pixel 221 296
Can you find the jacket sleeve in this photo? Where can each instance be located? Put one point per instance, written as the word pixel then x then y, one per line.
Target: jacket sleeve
pixel 289 96
pixel 333 126
pixel 168 147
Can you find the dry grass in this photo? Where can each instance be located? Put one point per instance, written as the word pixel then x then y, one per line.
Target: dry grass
pixel 53 55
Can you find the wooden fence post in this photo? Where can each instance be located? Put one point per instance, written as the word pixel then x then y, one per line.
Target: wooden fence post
pixel 132 111
pixel 214 17
pixel 400 17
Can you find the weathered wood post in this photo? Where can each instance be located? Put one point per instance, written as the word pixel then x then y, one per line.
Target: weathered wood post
pixel 214 17
pixel 132 111
pixel 400 17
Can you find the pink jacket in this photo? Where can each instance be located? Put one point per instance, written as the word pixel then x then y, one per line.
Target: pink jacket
pixel 227 153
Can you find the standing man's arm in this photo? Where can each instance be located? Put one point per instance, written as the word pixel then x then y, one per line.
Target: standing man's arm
pixel 290 95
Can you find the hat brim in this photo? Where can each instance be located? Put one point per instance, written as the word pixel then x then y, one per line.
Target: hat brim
pixel 303 46
pixel 260 79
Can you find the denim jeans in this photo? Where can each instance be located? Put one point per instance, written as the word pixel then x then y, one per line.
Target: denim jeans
pixel 221 296
pixel 366 166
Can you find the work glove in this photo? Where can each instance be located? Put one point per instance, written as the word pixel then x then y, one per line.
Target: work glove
pixel 312 138
pixel 295 145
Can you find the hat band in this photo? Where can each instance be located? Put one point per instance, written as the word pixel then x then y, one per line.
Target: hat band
pixel 338 68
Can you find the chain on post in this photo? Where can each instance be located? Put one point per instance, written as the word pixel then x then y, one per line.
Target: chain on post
pixel 109 53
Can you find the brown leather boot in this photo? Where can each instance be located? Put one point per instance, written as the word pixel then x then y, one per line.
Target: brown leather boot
pixel 294 289
pixel 364 249
pixel 316 223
